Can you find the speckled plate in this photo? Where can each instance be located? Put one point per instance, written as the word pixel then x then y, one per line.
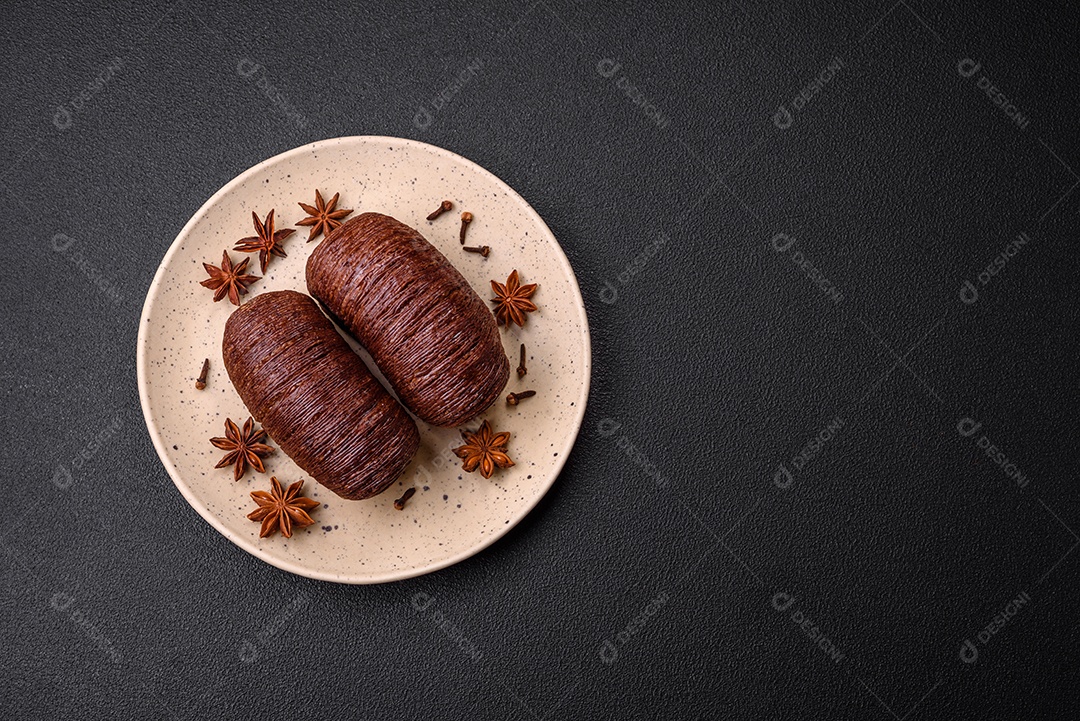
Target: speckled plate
pixel 453 514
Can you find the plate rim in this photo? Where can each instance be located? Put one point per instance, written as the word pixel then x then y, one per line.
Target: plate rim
pixel 212 518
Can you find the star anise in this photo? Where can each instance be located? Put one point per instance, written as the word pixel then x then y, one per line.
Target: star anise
pixel 485 450
pixel 243 448
pixel 228 280
pixel 323 216
pixel 280 511
pixel 267 242
pixel 512 300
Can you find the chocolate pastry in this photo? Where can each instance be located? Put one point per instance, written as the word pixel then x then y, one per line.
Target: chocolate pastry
pixel 314 395
pixel 430 334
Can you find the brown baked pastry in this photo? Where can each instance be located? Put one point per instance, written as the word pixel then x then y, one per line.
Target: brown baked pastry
pixel 314 395
pixel 430 334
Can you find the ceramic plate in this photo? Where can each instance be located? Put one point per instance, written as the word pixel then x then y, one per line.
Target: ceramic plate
pixel 453 514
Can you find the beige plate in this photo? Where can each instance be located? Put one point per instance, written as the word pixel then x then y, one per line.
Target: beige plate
pixel 453 514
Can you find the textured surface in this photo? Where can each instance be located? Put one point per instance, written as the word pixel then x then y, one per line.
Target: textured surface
pixel 695 494
pixel 315 397
pixel 427 330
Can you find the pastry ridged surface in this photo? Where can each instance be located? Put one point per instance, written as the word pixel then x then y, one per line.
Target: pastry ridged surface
pixel 431 335
pixel 315 397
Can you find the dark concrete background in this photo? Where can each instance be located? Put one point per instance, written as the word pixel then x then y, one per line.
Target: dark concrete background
pixel 772 511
